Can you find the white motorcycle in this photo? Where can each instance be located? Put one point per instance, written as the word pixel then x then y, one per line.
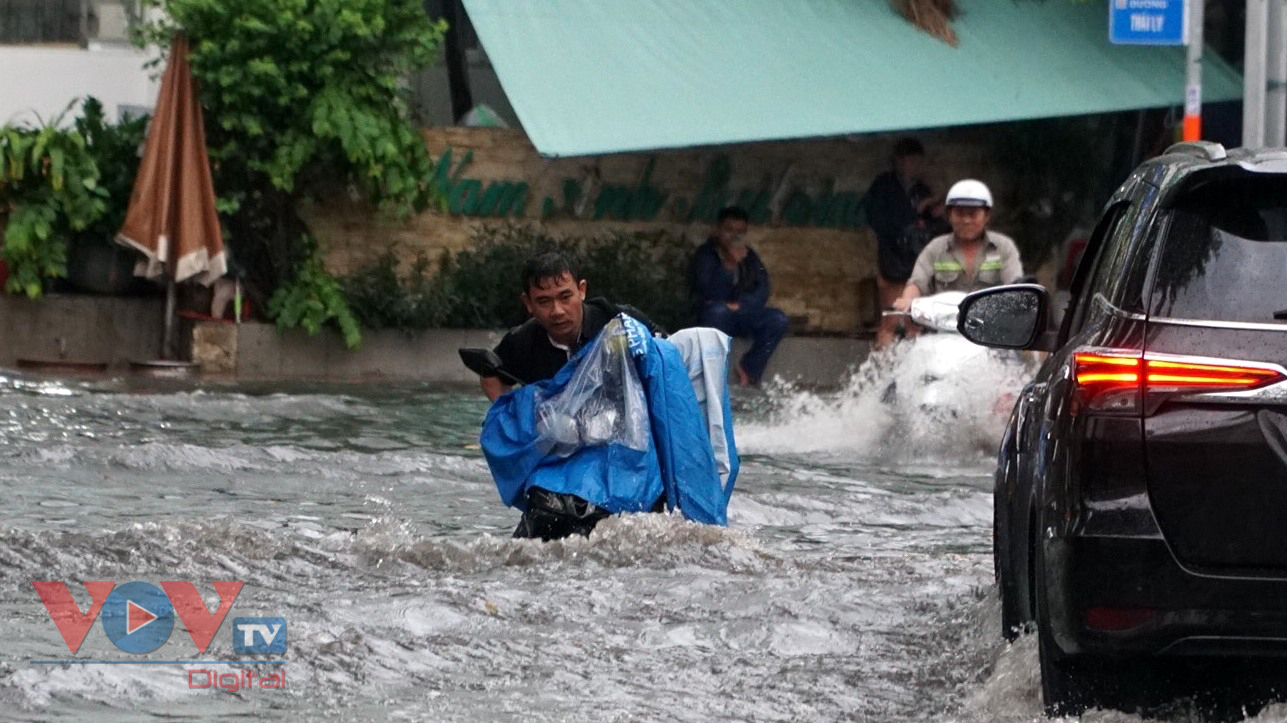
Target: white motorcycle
pixel 945 387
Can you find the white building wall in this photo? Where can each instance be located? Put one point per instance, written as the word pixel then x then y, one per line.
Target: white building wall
pixel 40 82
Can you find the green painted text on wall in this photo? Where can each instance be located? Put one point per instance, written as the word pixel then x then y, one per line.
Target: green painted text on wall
pixel 642 201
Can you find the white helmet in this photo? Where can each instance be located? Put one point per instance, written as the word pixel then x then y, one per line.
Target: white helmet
pixel 969 193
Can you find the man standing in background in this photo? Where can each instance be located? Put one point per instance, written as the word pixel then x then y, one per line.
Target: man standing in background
pixel 905 214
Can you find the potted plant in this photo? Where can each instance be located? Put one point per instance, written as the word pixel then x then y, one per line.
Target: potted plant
pixel 4 268
pixel 49 185
pixel 95 262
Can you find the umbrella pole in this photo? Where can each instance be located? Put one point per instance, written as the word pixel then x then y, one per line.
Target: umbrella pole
pixel 168 365
pixel 167 335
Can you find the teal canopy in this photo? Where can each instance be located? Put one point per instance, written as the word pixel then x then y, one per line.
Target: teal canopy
pixel 590 77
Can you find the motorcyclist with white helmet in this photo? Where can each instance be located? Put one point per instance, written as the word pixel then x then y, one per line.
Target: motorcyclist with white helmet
pixel 971 257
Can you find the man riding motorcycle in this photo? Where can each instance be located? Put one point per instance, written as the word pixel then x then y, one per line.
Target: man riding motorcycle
pixel 971 257
pixel 968 259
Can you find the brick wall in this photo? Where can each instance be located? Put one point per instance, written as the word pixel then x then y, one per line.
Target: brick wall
pixel 810 231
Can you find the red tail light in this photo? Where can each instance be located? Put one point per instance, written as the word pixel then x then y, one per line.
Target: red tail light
pixel 1115 619
pixel 1166 375
pixel 1110 380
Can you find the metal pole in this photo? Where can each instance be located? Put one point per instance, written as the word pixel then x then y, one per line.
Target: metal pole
pixel 84 23
pixel 1193 75
pixel 1254 78
pixel 1137 146
pixel 1276 76
pixel 167 331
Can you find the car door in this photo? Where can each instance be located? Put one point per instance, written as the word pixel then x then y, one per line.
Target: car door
pixel 1023 464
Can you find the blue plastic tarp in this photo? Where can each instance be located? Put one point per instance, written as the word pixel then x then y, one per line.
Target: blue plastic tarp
pixel 619 426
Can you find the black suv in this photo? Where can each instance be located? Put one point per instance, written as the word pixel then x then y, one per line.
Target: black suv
pixel 1141 489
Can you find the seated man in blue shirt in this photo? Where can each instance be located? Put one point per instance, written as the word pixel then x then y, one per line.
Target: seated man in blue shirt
pixel 730 290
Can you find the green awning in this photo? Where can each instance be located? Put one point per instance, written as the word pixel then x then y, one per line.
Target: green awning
pixel 605 76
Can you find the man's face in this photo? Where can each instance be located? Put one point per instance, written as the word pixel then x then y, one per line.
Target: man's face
pixel 731 233
pixel 908 166
pixel 555 303
pixel 968 222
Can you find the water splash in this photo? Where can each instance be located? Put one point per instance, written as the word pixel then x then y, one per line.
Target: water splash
pixel 632 541
pixel 934 398
pixel 855 582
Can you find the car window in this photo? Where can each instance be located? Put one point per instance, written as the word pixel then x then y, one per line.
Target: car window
pixel 1225 254
pixel 1108 269
pixel 1124 284
pixel 1096 260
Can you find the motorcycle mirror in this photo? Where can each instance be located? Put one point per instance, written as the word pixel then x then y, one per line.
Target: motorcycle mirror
pixel 485 363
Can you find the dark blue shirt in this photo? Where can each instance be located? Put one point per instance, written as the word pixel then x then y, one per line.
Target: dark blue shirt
pixel 748 284
pixel 891 211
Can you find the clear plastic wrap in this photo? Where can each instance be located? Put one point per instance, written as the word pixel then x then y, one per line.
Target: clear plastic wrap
pixel 603 402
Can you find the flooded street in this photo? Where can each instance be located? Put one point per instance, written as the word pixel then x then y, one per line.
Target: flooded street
pixel 854 581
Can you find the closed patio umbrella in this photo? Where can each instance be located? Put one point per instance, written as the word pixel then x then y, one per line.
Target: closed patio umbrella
pixel 171 218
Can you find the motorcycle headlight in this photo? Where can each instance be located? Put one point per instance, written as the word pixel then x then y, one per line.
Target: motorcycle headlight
pixel 943 317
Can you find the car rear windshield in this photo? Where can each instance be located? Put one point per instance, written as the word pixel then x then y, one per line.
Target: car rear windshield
pixel 1225 255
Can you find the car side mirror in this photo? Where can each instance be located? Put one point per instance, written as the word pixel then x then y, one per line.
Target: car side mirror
pixel 1005 317
pixel 485 363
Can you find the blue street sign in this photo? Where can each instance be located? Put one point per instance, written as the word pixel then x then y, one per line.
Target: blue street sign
pixel 1147 22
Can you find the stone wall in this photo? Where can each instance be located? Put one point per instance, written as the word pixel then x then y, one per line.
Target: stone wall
pixel 262 352
pixel 805 198
pixel 79 330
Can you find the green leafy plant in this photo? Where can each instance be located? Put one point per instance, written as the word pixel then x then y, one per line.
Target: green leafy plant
pixel 49 188
pixel 300 98
pixel 381 298
pixel 647 269
pixel 483 282
pixel 479 288
pixel 115 148
pixel 313 297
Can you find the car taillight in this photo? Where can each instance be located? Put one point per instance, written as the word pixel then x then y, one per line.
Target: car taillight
pixel 1108 381
pixel 1115 381
pixel 1165 375
pixel 1118 619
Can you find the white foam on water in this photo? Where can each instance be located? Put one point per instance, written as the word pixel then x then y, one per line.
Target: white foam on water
pixel 936 397
pixel 854 581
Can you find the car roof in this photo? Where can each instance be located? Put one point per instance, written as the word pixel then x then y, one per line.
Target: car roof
pixel 1172 171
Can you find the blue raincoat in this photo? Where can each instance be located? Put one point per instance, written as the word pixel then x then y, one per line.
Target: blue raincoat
pixel 619 426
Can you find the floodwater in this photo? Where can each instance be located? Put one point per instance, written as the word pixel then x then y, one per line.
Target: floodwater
pixel 854 581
